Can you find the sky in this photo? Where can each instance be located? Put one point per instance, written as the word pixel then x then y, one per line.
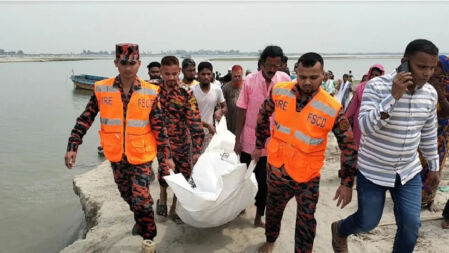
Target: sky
pixel 324 26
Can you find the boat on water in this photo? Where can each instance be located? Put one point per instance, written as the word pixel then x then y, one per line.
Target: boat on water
pixel 85 81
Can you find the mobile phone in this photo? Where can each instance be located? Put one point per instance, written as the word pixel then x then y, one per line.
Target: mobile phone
pixel 404 67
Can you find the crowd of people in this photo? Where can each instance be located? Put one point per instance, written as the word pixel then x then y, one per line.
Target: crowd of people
pixel 392 130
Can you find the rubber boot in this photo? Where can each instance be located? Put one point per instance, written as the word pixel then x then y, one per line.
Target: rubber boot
pixel 148 246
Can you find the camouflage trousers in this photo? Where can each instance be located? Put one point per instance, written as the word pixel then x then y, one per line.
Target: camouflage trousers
pixel 133 182
pixel 182 159
pixel 281 188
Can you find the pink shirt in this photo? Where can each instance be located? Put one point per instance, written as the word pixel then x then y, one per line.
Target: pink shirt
pixel 252 96
pixel 353 112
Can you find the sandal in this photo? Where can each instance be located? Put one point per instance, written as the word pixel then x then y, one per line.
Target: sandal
pixel 176 219
pixel 161 209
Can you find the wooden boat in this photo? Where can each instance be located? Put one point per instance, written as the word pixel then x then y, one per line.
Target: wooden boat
pixel 85 81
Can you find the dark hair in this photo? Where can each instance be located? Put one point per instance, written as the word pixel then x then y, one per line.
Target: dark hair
pixel 420 45
pixel 284 59
pixel 188 62
pixel 346 75
pixel 205 65
pixel 271 51
pixel 259 63
pixel 169 60
pixel 153 64
pixel 310 59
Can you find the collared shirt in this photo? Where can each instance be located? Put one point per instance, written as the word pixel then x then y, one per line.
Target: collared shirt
pixel 183 120
pixel 389 146
pixel 156 118
pixel 341 129
pixel 252 96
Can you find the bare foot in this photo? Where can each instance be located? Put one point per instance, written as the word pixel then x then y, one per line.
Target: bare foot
pixel 172 211
pixel 445 224
pixel 258 221
pixel 266 247
pixel 432 208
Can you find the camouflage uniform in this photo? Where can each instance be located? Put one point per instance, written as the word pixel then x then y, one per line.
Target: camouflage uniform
pixel 183 123
pixel 281 187
pixel 132 180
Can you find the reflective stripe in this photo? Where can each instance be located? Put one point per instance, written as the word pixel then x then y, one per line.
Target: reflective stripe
pixel 104 88
pixel 111 122
pixel 323 107
pixel 309 140
pixel 285 92
pixel 146 91
pixel 282 129
pixel 137 123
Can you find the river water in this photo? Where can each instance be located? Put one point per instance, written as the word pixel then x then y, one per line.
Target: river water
pixel 39 211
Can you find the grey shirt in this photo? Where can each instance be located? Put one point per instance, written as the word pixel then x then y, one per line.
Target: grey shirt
pixel 231 94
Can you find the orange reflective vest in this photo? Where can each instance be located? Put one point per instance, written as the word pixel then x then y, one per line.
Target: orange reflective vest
pixel 132 135
pixel 299 138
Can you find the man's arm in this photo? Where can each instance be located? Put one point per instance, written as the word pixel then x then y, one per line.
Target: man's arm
pixel 263 126
pixel 375 108
pixel 223 107
pixel 429 144
pixel 164 155
pixel 194 122
pixel 83 123
pixel 429 148
pixel 242 106
pixel 345 138
pixel 241 116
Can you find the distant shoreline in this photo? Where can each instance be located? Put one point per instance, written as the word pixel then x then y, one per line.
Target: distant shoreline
pixel 46 59
pixel 9 59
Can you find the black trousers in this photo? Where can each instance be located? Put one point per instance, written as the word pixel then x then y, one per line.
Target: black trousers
pixel 261 177
pixel 446 211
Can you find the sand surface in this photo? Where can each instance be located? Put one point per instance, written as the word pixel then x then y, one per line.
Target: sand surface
pixel 110 221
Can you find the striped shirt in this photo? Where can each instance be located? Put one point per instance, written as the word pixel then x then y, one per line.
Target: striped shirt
pixel 389 146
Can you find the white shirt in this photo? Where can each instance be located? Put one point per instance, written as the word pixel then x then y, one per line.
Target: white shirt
pixel 208 101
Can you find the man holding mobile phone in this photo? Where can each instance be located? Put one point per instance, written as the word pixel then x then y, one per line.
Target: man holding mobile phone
pixel 397 115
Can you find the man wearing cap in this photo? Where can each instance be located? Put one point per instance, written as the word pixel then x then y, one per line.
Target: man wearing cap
pixel 132 134
pixel 183 122
pixel 231 92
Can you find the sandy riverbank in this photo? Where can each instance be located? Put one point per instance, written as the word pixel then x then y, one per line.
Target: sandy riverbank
pixel 110 221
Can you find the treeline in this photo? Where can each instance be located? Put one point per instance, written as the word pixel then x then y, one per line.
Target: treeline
pixel 206 52
pixel 144 53
pixel 4 52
